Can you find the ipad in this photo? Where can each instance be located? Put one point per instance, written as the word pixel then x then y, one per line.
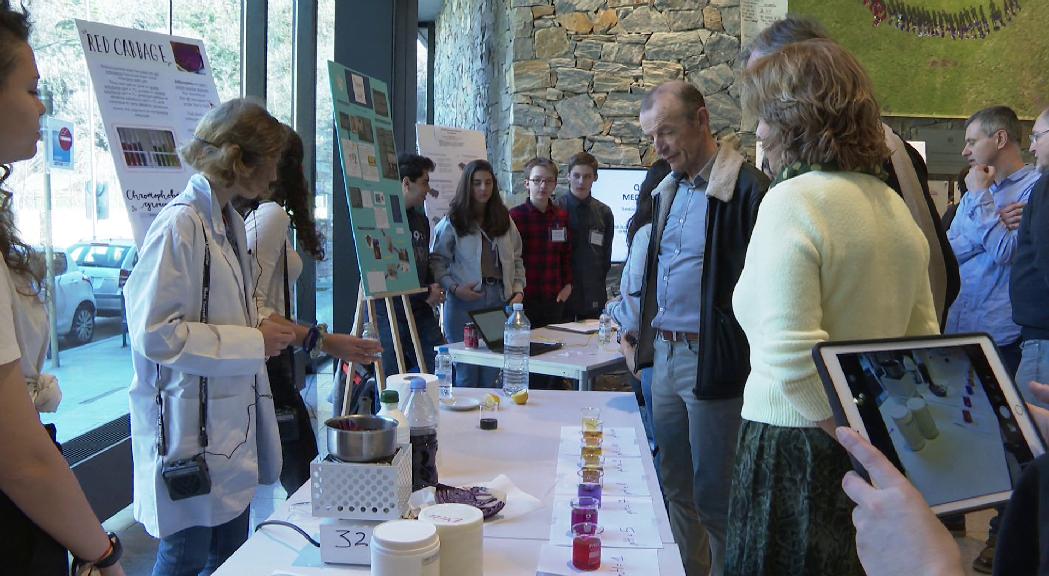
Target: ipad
pixel 943 409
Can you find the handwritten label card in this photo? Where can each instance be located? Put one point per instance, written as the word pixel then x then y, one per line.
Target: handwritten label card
pixel 568 484
pixel 629 523
pixel 613 433
pixel 610 448
pixel 346 542
pixel 557 561
pixel 615 469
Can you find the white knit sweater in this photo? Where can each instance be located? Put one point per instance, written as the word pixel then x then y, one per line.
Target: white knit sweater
pixel 834 256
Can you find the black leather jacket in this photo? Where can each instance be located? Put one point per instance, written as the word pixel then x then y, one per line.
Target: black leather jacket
pixel 724 361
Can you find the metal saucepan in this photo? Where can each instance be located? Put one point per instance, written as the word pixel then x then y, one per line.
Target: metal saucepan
pixel 361 438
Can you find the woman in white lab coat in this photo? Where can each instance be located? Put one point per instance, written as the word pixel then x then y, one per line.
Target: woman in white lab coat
pixel 193 483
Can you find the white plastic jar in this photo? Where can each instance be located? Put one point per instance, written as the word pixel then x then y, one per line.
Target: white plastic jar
pixel 405 548
pixel 461 530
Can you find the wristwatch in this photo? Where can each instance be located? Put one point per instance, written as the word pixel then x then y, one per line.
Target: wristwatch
pixel 112 555
pixel 318 348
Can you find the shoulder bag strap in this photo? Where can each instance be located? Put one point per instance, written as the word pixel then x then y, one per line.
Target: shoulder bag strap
pixel 205 291
pixel 287 287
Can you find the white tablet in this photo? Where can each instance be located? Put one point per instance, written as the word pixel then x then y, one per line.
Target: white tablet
pixel 943 409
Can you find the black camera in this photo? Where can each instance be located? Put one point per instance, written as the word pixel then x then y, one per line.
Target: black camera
pixel 187 478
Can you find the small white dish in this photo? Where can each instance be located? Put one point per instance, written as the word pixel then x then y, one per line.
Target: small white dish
pixel 461 403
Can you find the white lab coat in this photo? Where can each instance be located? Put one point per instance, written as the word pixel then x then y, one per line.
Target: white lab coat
pixel 171 348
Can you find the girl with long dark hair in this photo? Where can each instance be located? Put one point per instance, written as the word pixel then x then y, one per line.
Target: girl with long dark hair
pixel 477 259
pixel 269 221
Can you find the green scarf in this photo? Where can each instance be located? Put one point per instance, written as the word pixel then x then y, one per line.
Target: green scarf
pixel 798 167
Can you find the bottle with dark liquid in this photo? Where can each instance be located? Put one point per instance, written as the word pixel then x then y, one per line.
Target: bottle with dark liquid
pixel 422 424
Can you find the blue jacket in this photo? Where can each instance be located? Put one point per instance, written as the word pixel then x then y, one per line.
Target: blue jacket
pixel 1029 285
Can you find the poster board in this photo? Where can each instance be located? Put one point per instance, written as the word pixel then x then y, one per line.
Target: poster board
pixel 364 128
pixel 152 89
pixel 450 149
pixel 756 15
pixel 948 58
pixel 618 188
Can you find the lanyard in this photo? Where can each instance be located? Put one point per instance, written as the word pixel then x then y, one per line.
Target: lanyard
pixel 205 291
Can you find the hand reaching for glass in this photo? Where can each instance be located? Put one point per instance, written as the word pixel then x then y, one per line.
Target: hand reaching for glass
pixel 352 349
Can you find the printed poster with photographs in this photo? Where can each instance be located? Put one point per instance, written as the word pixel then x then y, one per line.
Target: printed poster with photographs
pixel 152 89
pixel 450 149
pixel 364 126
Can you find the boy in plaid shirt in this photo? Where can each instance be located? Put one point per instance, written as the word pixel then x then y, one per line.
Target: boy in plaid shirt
pixel 547 250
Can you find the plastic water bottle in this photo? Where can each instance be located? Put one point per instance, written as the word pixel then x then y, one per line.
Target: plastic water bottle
pixel 422 426
pixel 443 369
pixel 604 328
pixel 516 338
pixel 389 400
pixel 370 333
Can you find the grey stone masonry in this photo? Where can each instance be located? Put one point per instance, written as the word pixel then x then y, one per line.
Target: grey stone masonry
pixel 571 74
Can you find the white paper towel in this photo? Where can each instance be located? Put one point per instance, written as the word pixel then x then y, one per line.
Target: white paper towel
pixel 402 384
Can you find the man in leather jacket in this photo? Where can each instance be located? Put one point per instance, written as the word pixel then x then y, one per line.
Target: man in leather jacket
pixel 704 212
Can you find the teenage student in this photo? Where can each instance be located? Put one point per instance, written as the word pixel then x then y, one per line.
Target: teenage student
pixel 477 259
pixel 592 227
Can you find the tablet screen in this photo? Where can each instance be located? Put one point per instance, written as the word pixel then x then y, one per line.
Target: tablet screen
pixel 941 415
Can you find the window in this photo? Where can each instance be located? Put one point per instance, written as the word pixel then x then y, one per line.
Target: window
pixel 325 150
pixel 279 41
pixel 88 213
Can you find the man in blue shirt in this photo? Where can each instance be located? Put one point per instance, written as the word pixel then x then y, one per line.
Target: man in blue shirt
pixel 984 236
pixel 984 231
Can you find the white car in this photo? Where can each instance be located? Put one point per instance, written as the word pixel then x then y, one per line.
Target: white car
pixel 74 300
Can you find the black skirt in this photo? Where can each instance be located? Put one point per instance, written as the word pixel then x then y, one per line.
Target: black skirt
pixel 788 514
pixel 24 547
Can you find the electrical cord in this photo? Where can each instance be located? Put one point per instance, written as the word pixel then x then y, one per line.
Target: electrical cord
pixel 247 429
pixel 288 525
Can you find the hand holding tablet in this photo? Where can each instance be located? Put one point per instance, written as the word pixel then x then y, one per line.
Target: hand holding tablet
pixel 943 410
pixel 896 531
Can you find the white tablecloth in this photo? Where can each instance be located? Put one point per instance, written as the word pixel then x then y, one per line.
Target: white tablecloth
pixel 524 448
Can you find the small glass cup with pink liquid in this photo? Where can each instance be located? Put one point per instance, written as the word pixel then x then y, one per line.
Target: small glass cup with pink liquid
pixel 584 510
pixel 586 546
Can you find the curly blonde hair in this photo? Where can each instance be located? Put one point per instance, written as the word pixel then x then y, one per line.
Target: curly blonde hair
pixel 232 139
pixel 819 105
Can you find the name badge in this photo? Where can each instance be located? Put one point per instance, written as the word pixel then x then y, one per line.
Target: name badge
pixel 558 235
pixel 597 238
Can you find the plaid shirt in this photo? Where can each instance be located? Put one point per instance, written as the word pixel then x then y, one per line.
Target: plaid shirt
pixel 548 264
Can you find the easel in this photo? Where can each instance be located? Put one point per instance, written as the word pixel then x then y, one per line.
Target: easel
pixel 391 317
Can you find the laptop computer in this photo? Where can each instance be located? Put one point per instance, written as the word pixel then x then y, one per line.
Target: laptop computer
pixel 491 321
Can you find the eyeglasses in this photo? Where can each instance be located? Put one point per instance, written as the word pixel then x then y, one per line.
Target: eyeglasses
pixel 1036 135
pixel 543 181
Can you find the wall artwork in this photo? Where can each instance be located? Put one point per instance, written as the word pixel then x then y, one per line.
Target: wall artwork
pixel 944 58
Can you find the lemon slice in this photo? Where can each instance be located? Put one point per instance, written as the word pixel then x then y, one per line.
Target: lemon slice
pixel 491 399
pixel 520 397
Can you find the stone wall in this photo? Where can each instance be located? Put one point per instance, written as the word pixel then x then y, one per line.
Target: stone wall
pixel 581 67
pixel 472 71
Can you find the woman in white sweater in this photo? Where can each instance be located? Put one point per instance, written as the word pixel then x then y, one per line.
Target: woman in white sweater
pixel 286 206
pixel 835 255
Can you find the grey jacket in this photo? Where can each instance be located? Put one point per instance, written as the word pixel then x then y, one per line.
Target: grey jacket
pixel 457 259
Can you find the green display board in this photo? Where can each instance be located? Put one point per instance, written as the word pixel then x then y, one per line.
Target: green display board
pixel 945 58
pixel 364 126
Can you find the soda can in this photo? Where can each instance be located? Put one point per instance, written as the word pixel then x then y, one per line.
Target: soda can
pixel 470 335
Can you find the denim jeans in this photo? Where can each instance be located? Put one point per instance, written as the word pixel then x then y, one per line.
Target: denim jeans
pixel 697 444
pixel 200 550
pixel 1034 365
pixel 456 315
